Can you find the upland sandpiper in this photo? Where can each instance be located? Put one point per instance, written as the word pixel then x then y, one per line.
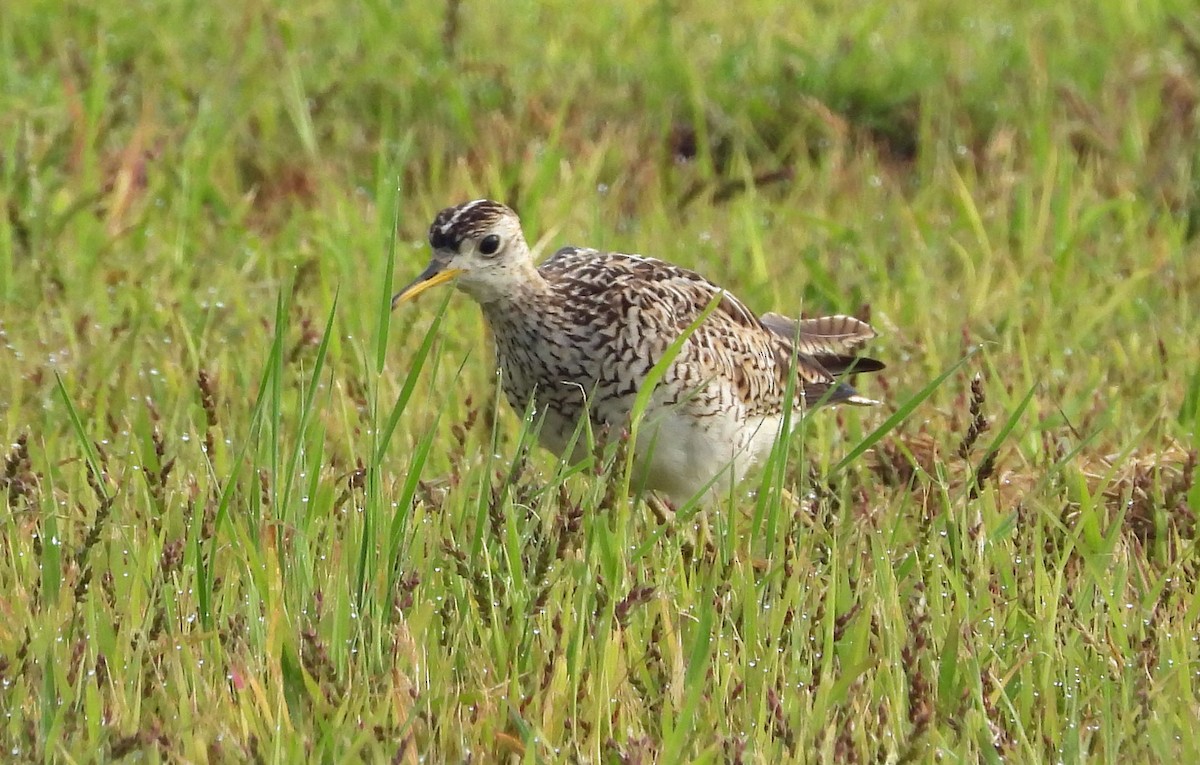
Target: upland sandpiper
pixel 578 335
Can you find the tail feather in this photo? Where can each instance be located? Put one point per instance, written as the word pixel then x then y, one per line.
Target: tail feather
pixel 823 394
pixel 839 365
pixel 828 334
pixel 825 350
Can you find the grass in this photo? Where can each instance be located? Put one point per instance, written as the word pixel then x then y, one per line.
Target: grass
pixel 254 515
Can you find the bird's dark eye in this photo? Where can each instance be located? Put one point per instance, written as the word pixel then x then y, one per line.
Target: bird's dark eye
pixel 489 245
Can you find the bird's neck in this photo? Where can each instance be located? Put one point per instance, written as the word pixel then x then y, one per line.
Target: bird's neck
pixel 516 288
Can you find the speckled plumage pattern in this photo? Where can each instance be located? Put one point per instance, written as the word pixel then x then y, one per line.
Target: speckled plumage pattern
pixel 579 334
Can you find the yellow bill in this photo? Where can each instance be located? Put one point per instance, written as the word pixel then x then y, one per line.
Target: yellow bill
pixel 432 276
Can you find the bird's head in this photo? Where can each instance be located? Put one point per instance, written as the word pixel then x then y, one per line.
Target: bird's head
pixel 481 244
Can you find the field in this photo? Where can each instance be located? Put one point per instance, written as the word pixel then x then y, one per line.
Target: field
pixel 254 515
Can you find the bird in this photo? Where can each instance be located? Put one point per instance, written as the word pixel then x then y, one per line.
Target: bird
pixel 577 337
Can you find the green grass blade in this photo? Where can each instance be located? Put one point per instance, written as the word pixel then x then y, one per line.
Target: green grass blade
pixel 385 295
pixel 676 740
pixel 415 369
pixel 306 407
pixel 901 414
pixel 85 442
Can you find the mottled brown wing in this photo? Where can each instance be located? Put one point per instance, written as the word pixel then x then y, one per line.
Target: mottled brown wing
pixel 731 345
pixel 754 355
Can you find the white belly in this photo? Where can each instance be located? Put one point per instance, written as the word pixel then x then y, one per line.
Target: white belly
pixel 681 456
